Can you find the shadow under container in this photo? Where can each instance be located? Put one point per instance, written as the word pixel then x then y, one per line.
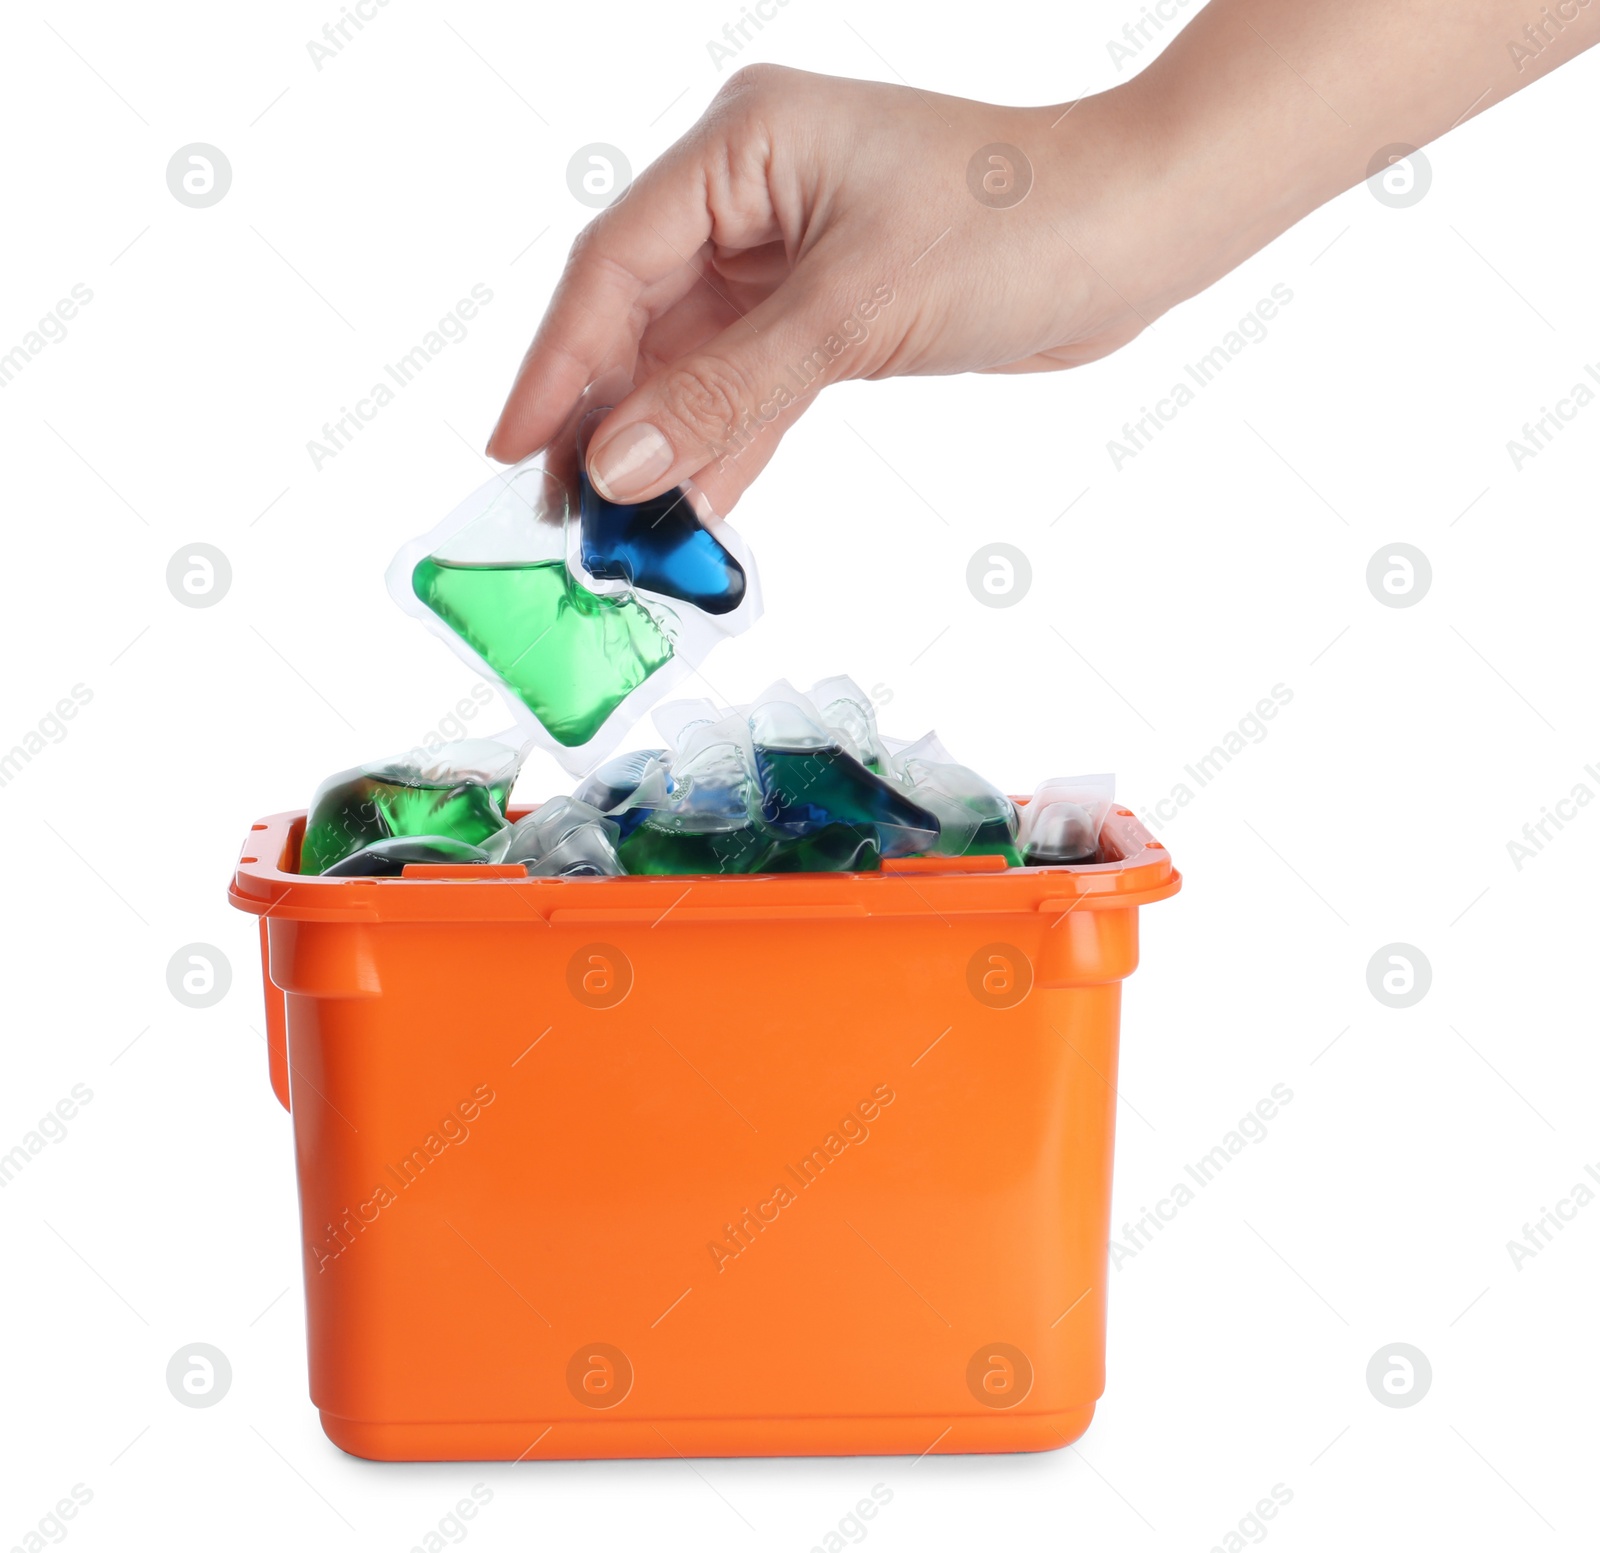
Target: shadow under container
pixel 702 1166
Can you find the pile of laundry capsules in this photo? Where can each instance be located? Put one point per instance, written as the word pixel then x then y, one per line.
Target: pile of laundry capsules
pixel 792 783
pixel 583 611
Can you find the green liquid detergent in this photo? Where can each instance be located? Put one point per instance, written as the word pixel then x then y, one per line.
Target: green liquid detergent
pixel 835 849
pixel 353 813
pixel 996 838
pixel 570 655
pixel 652 849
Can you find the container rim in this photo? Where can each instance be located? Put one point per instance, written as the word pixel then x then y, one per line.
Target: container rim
pixel 1136 870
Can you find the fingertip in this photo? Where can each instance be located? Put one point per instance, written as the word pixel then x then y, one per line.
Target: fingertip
pixel 521 429
pixel 505 449
pixel 510 430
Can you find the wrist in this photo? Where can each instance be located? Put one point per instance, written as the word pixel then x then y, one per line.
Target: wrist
pixel 1190 168
pixel 1144 217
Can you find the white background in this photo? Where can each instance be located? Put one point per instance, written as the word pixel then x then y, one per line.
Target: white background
pixel 367 198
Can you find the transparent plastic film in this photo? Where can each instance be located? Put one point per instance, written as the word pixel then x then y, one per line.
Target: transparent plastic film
pixel 565 838
pixel 1061 822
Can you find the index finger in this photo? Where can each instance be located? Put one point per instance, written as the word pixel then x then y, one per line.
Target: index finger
pixel 636 259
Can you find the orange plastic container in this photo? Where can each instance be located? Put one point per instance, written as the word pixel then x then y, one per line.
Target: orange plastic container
pixel 799 1165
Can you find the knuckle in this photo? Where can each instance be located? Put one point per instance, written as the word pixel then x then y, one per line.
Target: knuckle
pixel 583 245
pixel 705 397
pixel 755 77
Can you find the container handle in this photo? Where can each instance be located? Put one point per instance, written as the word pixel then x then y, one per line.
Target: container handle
pixel 277 1027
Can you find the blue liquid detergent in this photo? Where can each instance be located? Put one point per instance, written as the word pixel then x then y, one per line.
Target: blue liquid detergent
pixel 804 790
pixel 658 545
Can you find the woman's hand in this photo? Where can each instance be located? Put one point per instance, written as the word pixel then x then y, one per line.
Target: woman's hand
pixel 810 230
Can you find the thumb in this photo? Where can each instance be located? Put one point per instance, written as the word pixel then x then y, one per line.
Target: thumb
pixel 725 405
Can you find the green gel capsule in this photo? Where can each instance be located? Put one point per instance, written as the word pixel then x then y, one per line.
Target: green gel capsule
pixel 569 655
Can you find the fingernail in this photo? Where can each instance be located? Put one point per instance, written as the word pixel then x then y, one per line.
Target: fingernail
pixel 627 465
